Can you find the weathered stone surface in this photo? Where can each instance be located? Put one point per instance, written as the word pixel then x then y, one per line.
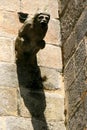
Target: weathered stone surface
pixel 76 91
pixel 53 33
pixel 63 3
pixel 69 73
pixel 8 75
pixel 80 56
pixel 41 104
pixel 54 78
pixel 71 15
pixel 78 122
pixel 69 47
pixel 50 57
pixel 7 52
pixel 8 101
pixel 76 36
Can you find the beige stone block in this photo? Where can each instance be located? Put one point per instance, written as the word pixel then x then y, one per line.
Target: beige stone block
pixel 8 101
pixel 54 78
pixel 53 34
pixel 43 6
pixel 55 125
pixel 7 51
pixel 54 106
pixel 18 123
pixel 50 57
pixel 3 124
pixel 8 75
pixel 9 5
pixel 9 23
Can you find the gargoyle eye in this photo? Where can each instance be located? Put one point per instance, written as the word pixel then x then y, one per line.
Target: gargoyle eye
pixel 40 17
pixel 47 18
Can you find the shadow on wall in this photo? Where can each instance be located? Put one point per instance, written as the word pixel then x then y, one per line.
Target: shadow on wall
pixel 31 89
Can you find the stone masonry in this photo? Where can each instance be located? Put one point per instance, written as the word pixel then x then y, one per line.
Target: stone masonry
pixel 21 108
pixel 73 16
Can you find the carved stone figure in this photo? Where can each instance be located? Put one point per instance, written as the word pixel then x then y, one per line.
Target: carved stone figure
pixel 31 35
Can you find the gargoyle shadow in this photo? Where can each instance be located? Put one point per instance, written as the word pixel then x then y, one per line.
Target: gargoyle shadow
pixel 31 90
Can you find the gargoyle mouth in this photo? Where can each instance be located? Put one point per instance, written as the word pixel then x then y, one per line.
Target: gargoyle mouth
pixel 43 24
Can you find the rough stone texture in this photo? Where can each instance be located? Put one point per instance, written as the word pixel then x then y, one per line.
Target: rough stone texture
pixel 70 16
pixel 76 36
pixel 80 56
pixel 73 24
pixel 8 101
pixel 8 75
pixel 69 72
pixel 52 59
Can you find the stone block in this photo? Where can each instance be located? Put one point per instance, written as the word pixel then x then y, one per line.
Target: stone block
pixel 9 23
pixel 8 101
pixel 3 124
pixel 50 57
pixel 69 73
pixel 40 104
pixel 18 123
pixel 9 5
pixel 54 125
pixel 53 34
pixel 7 51
pixel 70 17
pixel 54 106
pixel 8 75
pixel 41 6
pixel 54 78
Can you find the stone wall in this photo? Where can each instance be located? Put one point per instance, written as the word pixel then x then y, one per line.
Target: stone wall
pixel 73 16
pixel 21 108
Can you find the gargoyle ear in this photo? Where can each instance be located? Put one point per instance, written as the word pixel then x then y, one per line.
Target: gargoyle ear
pixel 22 16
